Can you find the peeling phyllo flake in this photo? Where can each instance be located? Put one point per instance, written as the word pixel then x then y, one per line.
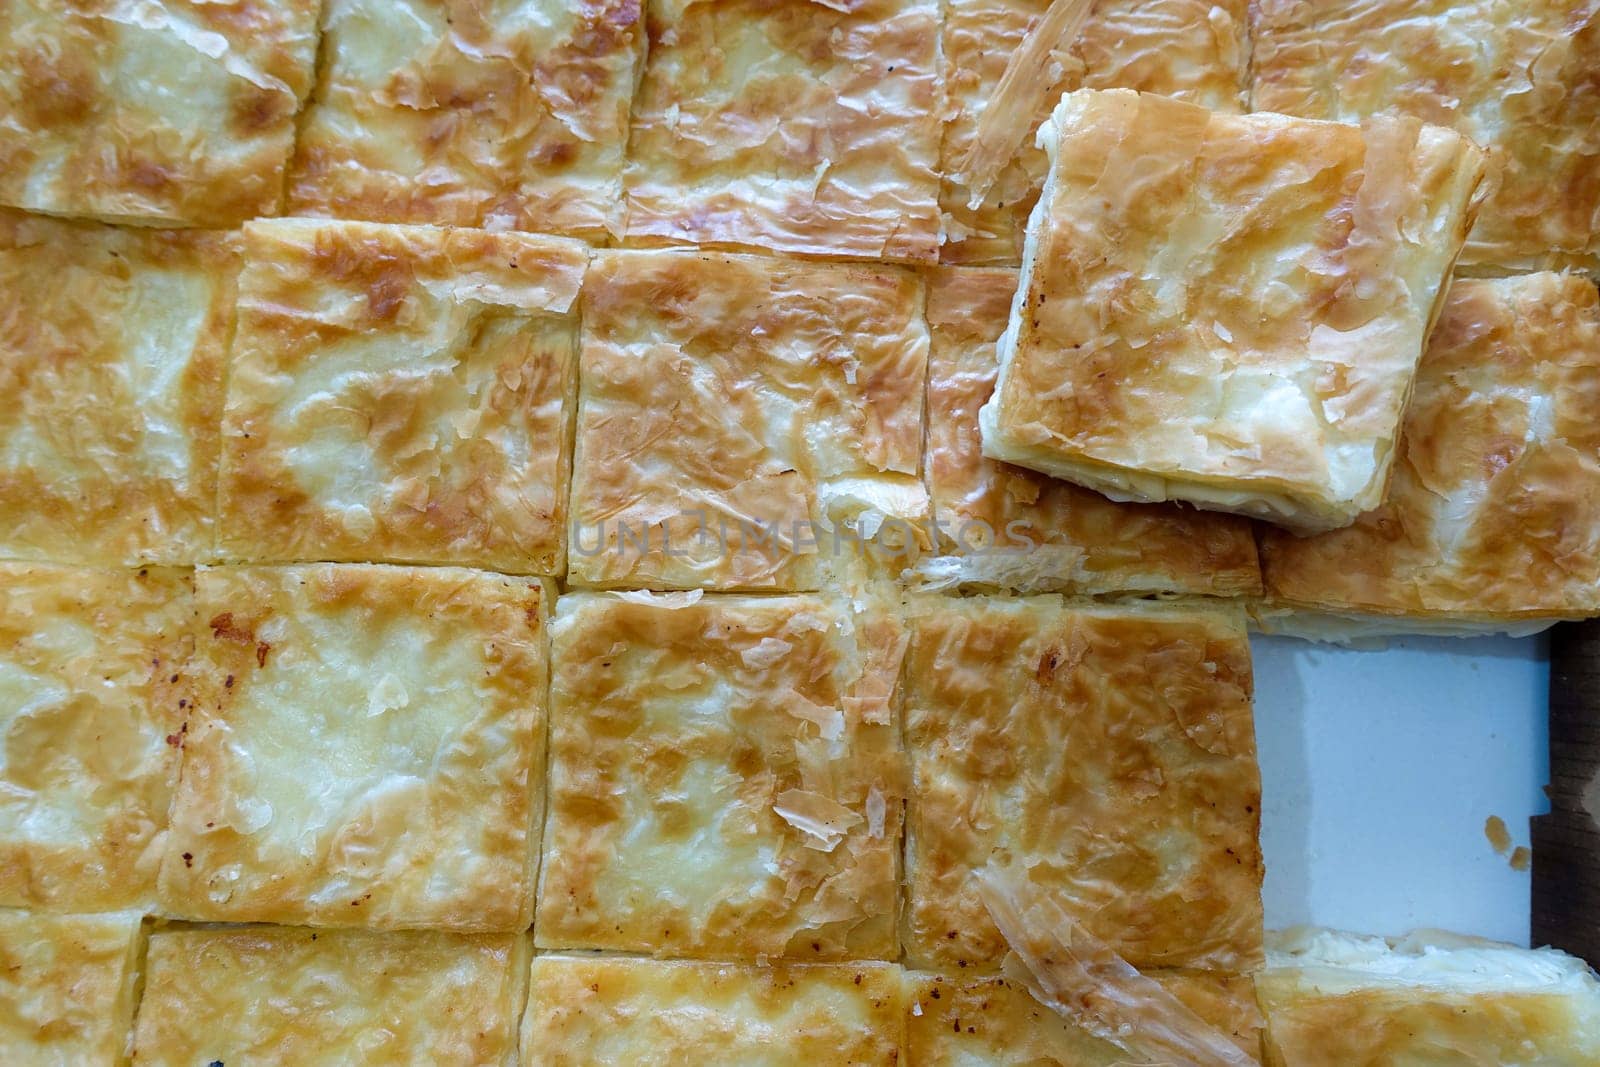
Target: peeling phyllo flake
pixel 1105 753
pixel 401 394
pixel 1227 310
pixel 725 777
pixel 509 114
pixel 789 126
pixel 366 749
pixel 152 111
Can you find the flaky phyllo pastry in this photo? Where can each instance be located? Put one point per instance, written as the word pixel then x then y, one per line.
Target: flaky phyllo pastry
pixel 1227 310
pixel 1492 521
pixel 587 532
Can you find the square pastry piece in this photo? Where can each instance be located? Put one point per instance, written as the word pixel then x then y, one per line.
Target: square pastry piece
pixel 93 697
pixel 1517 76
pixel 401 394
pixel 1492 521
pixel 68 986
pixel 112 349
pixel 1193 50
pixel 367 749
pixel 598 1011
pixel 511 114
pixel 725 777
pixel 738 415
pixel 971 1020
pixel 273 995
pixel 1226 309
pixel 1335 999
pixel 1004 527
pixel 177 111
pixel 789 125
pixel 1105 754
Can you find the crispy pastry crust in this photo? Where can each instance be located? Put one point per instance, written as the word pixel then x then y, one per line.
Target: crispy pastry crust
pixel 958 1020
pixel 367 749
pixel 1225 309
pixel 727 397
pixel 92 668
pixel 1425 1000
pixel 725 777
pixel 510 114
pixel 403 394
pixel 1518 78
pixel 112 347
pixel 1193 50
pixel 1493 513
pixel 1109 752
pixel 68 984
pixel 789 125
pixel 1082 542
pixel 274 995
pixel 652 1013
pixel 151 111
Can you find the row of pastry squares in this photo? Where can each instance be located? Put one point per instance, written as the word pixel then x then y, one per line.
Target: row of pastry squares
pixel 764 812
pixel 666 419
pixel 785 125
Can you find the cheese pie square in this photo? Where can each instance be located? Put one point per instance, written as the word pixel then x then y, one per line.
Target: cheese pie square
pixel 367 749
pixel 1104 753
pixel 746 423
pixel 112 350
pixel 68 986
pixel 959 1021
pixel 1516 76
pixel 510 114
pixel 93 696
pixel 156 111
pixel 725 777
pixel 1005 527
pixel 1334 999
pixel 1492 521
pixel 789 126
pixel 401 394
pixel 608 1010
pixel 1193 50
pixel 266 994
pixel 1227 309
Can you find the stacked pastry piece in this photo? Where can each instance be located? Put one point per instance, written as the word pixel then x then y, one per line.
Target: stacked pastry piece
pixel 560 533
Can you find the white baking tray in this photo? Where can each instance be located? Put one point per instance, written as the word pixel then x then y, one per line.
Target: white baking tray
pixel 1379 769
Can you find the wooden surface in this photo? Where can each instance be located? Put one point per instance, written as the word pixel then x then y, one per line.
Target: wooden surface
pixel 1566 843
